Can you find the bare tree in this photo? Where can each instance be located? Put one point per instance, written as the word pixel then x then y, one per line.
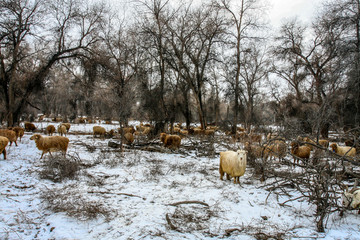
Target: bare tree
pixel 256 67
pixel 318 55
pixel 243 19
pixel 153 30
pixel 34 36
pixel 194 34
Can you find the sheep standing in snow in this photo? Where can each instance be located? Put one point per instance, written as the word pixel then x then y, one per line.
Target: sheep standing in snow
pixel 50 129
pixel 345 150
pixel 98 130
pixel 170 141
pixel 67 125
pixel 233 164
pixel 10 134
pixel 3 143
pixel 19 131
pixel 128 138
pixel 29 127
pixel 275 148
pixel 302 152
pixel 50 144
pixel 62 130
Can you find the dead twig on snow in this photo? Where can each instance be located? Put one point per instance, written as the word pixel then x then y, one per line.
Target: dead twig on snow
pixel 189 202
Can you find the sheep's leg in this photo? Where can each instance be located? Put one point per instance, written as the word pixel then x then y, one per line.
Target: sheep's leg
pixel 4 153
pixel 227 176
pixel 221 173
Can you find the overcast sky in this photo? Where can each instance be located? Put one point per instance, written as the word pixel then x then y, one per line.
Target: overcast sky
pixel 279 10
pixel 285 9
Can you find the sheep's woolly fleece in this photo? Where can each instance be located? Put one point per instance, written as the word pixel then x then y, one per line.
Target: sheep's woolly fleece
pixel 137 191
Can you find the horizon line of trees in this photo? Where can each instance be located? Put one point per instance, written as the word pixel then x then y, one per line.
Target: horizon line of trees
pixel 211 63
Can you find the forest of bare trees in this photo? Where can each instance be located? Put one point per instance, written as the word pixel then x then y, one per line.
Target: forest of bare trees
pixel 217 62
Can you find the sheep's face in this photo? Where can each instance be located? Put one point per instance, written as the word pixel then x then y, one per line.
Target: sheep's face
pixel 35 137
pixel 347 199
pixel 333 147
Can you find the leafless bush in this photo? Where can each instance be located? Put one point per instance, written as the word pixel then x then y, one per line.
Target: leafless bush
pixel 154 172
pixel 73 204
pixel 190 217
pixel 115 160
pixel 318 183
pixel 133 160
pixel 58 168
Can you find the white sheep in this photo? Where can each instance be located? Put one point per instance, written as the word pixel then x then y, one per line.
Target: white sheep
pixel 351 199
pixel 233 164
pixel 50 144
pixel 345 150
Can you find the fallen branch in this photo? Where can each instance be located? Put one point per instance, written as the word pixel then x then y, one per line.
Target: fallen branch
pixel 231 230
pixel 125 194
pixel 189 202
pixel 172 226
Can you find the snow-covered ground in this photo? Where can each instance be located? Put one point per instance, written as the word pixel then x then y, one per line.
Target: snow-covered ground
pixel 146 195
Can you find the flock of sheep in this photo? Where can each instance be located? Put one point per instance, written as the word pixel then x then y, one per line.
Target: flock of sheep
pixel 232 163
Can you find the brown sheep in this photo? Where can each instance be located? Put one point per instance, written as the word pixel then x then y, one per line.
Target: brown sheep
pixel 300 152
pixel 29 127
pixel 170 141
pixel 209 132
pixel 129 138
pixel 127 130
pixel 324 143
pixel 184 132
pixel 255 151
pixel 98 130
pixel 67 125
pixel 255 138
pixel 233 164
pixel 3 143
pixel 62 129
pixel 310 141
pixel 19 131
pixel 276 148
pixel 146 131
pixel 50 129
pixel 50 144
pixel 10 134
pixel 343 151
